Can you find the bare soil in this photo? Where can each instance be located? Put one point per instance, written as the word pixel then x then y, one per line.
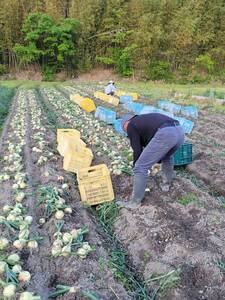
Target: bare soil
pixel 163 234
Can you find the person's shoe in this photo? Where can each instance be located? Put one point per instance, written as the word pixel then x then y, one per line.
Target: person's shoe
pixel 165 187
pixel 128 204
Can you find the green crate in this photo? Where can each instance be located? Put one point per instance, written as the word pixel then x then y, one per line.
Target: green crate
pixel 183 155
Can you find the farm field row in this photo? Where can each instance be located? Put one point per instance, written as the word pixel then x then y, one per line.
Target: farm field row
pixel 41 220
pixel 207 139
pixel 174 241
pixel 164 233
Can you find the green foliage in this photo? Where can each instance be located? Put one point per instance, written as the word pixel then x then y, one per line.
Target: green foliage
pixel 108 61
pixel 27 54
pixel 3 69
pixel 188 198
pixel 197 78
pixel 164 282
pixel 51 44
pixel 124 59
pixel 159 70
pixel 6 95
pixel 205 62
pixel 181 34
pixel 48 73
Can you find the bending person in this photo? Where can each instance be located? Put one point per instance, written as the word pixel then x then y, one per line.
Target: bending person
pixel 154 137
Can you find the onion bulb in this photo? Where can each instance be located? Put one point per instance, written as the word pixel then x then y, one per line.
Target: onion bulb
pixel 56 251
pixel 41 221
pixel 74 233
pixel 67 237
pixel 17 269
pixel 66 250
pixel 28 219
pixel 6 208
pixel 13 259
pixel 20 197
pixel 29 296
pixel 9 291
pixel 32 244
pixel 19 244
pixel 3 243
pixel 24 276
pixel 68 210
pixel 59 215
pixel 2 267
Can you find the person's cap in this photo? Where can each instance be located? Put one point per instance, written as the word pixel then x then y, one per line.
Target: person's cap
pixel 124 119
pixel 110 82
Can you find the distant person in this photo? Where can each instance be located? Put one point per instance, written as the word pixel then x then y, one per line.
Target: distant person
pixel 154 137
pixel 110 88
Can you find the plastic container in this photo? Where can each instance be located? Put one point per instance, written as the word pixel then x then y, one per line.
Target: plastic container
pixel 190 111
pixel 169 106
pixel 107 98
pixel 112 100
pixel 62 132
pixel 118 127
pixel 148 109
pixel 135 96
pixel 76 160
pixel 134 107
pixel 106 115
pixel 97 94
pixel 126 99
pixel 163 103
pixel 183 155
pixel 76 98
pixel 187 125
pixel 87 104
pixel 120 93
pixel 173 108
pixel 70 144
pixel 164 112
pixel 95 185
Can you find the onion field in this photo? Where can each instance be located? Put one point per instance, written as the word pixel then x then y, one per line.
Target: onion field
pixel 172 247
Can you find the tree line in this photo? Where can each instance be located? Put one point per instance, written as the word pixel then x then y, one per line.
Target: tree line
pixel 154 39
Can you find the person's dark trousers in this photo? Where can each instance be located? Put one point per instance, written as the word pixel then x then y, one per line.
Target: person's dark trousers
pixel 162 147
pixel 111 94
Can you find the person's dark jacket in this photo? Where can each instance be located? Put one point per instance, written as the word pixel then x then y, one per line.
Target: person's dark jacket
pixel 141 129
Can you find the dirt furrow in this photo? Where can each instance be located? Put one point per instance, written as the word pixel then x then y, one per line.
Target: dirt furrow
pixel 174 231
pixel 4 133
pixel 36 263
pixel 80 272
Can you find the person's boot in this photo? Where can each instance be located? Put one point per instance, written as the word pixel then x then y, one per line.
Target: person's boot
pixel 168 176
pixel 138 193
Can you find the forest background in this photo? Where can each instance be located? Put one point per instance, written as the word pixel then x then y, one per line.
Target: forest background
pixel 172 40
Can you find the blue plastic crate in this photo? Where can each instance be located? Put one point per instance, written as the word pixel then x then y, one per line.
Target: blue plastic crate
pixel 163 103
pixel 183 155
pixel 190 111
pixel 174 108
pixel 148 109
pixel 118 127
pixel 187 125
pixel 135 107
pixel 164 112
pixel 169 106
pixel 126 99
pixel 106 115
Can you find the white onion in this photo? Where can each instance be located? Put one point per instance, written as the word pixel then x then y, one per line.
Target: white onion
pixel 13 259
pixel 32 244
pixel 9 291
pixel 2 267
pixel 24 276
pixel 59 215
pixel 3 243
